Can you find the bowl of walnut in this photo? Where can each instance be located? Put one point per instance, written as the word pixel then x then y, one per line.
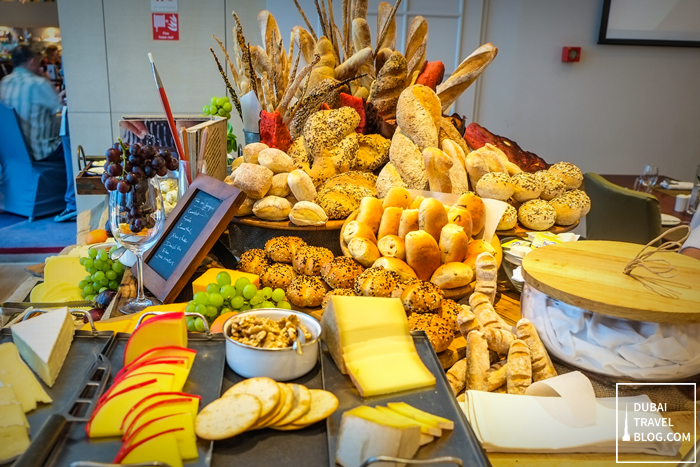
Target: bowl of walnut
pixel 259 343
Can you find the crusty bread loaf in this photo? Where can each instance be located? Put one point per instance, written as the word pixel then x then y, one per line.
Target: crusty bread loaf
pixel 509 219
pixel 418 115
pixel 437 167
pixel 569 173
pixel 392 246
pixel 370 212
pixel 432 217
pixel 477 210
pixel 537 214
pixel 453 244
pixel 253 180
pixel 398 266
pixel 391 80
pixel 276 160
pixel 542 367
pixel 519 368
pixel 452 275
pixel 477 362
pixel 458 174
pixel 363 251
pixel 389 178
pixel 387 22
pixel 350 67
pixel 376 282
pixel 391 220
pixel 372 152
pixel 495 185
pixel 409 222
pixel 422 253
pixel 499 340
pixel 461 217
pixel 448 131
pixel 325 129
pixel 465 74
pixel 407 158
pixel 305 213
pixel 325 68
pixel 301 185
pixel 304 42
pixel 283 249
pixel 306 291
pixel 398 197
pixel 486 272
pixel 340 272
pixel 272 208
pixel 251 151
pixel 362 37
pixel 339 201
pixel 482 308
pixel 457 376
pixel 358 229
pixel 246 209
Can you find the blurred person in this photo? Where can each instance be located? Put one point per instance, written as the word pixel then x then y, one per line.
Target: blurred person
pixel 51 65
pixel 691 247
pixel 36 102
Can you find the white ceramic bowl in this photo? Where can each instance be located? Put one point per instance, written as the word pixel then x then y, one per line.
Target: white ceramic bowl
pixel 278 364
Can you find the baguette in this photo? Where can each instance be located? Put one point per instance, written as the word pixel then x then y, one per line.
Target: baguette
pixel 486 272
pixel 467 322
pixel 497 375
pixel 363 251
pixel 457 376
pixel 384 16
pixel 350 67
pixel 422 253
pixel 358 229
pixel 499 340
pixel 453 245
pixel 465 74
pixel 542 367
pixel 416 44
pixel 305 43
pixel 437 167
pixel 393 246
pixel 370 213
pixel 477 362
pixel 483 310
pixel 409 222
pixel 391 220
pixel 432 217
pixel 458 174
pixel 519 369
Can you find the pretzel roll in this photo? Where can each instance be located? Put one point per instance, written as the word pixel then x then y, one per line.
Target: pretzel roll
pixel 432 217
pixel 392 246
pixel 453 244
pixel 461 217
pixel 409 222
pixel 391 220
pixel 397 197
pixel 370 212
pixel 422 253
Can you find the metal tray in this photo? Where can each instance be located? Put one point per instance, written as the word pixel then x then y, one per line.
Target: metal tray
pixel 439 400
pixel 204 380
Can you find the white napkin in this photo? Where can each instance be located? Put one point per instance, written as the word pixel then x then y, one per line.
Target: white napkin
pixel 676 185
pixel 574 422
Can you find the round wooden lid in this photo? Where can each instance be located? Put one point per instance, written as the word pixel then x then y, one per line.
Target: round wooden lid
pixel 588 274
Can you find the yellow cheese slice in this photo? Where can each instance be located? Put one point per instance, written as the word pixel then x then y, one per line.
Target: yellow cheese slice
pixel 15 373
pixel 384 374
pixel 186 439
pixel 421 416
pixel 426 429
pixel 382 346
pixel 65 269
pixel 14 440
pixel 45 292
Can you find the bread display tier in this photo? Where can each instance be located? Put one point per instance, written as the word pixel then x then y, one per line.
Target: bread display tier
pixel 520 231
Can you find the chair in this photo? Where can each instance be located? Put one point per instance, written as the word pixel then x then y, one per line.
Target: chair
pixel 27 187
pixel 620 214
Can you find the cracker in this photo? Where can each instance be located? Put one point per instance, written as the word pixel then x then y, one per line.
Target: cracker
pixel 227 417
pixel 290 427
pixel 265 389
pixel 323 403
pixel 300 406
pixel 284 408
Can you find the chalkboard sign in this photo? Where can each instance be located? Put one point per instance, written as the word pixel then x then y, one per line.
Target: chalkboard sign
pixel 192 228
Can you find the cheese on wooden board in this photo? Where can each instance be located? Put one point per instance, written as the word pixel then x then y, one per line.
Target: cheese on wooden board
pixel 366 432
pixel 383 374
pixel 44 341
pixel 209 277
pixel 353 320
pixel 15 373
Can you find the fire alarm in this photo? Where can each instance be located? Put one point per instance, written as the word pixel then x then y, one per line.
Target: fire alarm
pixel 571 54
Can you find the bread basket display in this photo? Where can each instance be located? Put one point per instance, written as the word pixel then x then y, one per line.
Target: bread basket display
pixel 639 326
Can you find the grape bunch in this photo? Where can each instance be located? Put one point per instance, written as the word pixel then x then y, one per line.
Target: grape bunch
pixel 104 274
pixel 220 106
pixel 223 297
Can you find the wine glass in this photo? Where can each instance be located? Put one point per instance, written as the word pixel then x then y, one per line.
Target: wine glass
pixel 136 219
pixel 649 176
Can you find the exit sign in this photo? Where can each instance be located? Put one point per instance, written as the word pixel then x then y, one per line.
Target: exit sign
pixel 164 6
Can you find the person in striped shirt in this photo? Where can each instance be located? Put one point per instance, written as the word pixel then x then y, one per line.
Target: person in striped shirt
pixel 36 102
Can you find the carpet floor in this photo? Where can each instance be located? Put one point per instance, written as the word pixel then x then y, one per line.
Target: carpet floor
pixel 19 236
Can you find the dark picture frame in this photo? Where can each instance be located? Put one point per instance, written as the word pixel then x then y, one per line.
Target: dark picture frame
pixel 645 35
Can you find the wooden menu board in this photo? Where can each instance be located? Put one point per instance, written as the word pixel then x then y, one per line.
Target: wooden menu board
pixel 198 220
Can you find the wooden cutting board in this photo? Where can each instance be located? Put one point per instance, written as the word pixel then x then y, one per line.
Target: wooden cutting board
pixel 588 274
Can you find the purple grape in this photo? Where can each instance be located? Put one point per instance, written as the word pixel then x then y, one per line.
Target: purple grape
pixel 112 183
pixel 135 159
pixel 139 223
pixel 104 178
pixel 135 211
pixel 128 166
pixel 135 148
pixel 114 169
pixel 148 152
pixel 149 172
pixel 136 170
pixel 134 228
pixel 150 223
pixel 162 172
pixel 132 178
pixel 173 164
pixel 165 153
pixel 113 155
pixel 124 186
pixel 158 162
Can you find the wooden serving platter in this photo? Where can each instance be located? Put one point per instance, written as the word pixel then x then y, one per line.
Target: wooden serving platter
pixel 520 231
pixel 589 274
pixel 285 225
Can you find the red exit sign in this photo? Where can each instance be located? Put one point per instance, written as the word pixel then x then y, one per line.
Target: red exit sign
pixel 166 27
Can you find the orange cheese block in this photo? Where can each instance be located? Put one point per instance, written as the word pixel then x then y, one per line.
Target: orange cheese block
pixel 209 277
pixel 128 325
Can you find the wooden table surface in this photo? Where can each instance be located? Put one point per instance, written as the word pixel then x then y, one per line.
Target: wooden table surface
pixel 667 201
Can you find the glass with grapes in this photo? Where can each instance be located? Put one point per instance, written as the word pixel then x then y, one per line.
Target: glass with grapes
pixel 136 215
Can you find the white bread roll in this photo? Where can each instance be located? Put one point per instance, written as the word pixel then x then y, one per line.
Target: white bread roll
pixel 363 251
pixel 474 204
pixel 453 244
pixel 422 253
pixel 358 229
pixel 279 186
pixel 452 275
pixel 409 222
pixel 307 213
pixel 509 219
pixel 276 160
pixel 251 151
pixel 272 208
pixel 392 246
pixel 301 185
pixel 370 213
pixel 398 197
pixel 568 209
pixel 253 180
pixel 495 185
pixel 432 217
pixel 461 217
pixel 391 220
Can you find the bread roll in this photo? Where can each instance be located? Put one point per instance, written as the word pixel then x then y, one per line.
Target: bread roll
pixel 392 246
pixel 394 264
pixel 569 173
pixel 363 251
pixel 309 260
pixel 307 213
pixel 467 322
pixel 477 362
pixel 581 199
pixel 486 272
pixel 495 185
pixel 253 261
pixel 292 199
pixel 497 376
pixel 397 197
pixel 415 204
pixel 251 151
pixel 461 217
pixel 376 282
pixel 526 187
pixel 457 376
pixel 422 297
pixel 477 210
pixel 278 275
pixel 449 311
pixel 370 213
pixel 499 340
pixel 452 275
pixel 307 291
pixel 272 208
pixel 253 180
pixel 276 160
pixel 283 249
pixel 340 272
pixel 542 367
pixel 432 217
pixel 453 244
pixel 509 219
pixel 279 186
pixel 301 185
pixel 552 184
pixel 537 214
pixel 568 209
pixel 358 229
pixel 246 209
pixel 436 328
pixel 519 368
pixel 437 167
pixel 391 220
pixel 409 222
pixel 422 253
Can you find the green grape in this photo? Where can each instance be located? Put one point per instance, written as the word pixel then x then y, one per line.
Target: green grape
pixel 98 263
pixel 191 307
pixel 214 100
pixel 241 282
pixel 205 110
pixel 114 285
pixel 83 294
pixel 92 270
pixel 221 112
pixel 103 255
pixel 267 304
pixel 213 109
pixel 267 292
pixel 201 298
pixel 199 325
pixel 284 305
pixel 106 266
pixel 82 261
pixel 211 288
pixel 220 101
pixel 190 324
pixel 88 278
pixel 113 249
pixel 102 289
pixel 89 289
pixel 216 300
pixel 90 298
pixel 277 295
pixel 118 267
pixel 111 275
pixel 256 300
pixel 237 302
pixel 212 311
pixel 228 291
pixel 82 284
pixel 245 308
pixel 227 107
pixel 201 309
pixel 99 276
pixel 228 115
pixel 92 253
pixel 88 263
pixel 103 283
pixel 223 278
pixel 226 310
pixel 249 291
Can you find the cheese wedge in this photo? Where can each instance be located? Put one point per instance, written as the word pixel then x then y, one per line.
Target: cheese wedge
pixel 382 346
pixel 383 374
pixel 421 416
pixel 14 431
pixel 186 439
pixel 15 373
pixel 44 341
pixel 425 429
pixel 161 447
pixel 366 432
